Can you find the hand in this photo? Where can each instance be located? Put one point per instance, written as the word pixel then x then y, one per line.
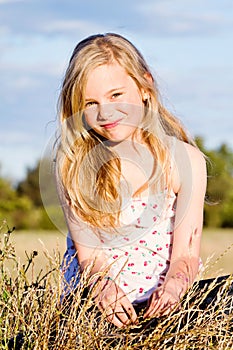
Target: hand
pixel 112 302
pixel 161 303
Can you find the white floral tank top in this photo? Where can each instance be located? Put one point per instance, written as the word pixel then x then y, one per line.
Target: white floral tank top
pixel 140 258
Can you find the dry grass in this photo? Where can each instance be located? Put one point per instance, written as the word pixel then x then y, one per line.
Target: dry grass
pixel 29 306
pixel 216 252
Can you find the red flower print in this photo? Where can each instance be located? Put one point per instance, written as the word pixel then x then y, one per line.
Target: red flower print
pixel 126 253
pixel 145 263
pixel 169 233
pixel 142 241
pixel 154 232
pixel 144 204
pixel 133 272
pixel 138 221
pixel 115 256
pixel 141 290
pixel 136 248
pixel 148 277
pixel 160 248
pixel 126 239
pixel 160 264
pixel 155 206
pixel 154 253
pixel 131 264
pixel 125 284
pixel 154 218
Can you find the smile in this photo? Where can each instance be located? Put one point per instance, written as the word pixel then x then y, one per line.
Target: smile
pixel 111 125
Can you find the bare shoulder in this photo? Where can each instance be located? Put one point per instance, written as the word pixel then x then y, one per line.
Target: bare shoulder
pixel 189 153
pixel 190 163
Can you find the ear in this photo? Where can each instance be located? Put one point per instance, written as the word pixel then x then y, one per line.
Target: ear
pixel 145 93
pixel 149 77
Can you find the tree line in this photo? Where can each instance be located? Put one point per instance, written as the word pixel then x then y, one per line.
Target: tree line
pixel 22 206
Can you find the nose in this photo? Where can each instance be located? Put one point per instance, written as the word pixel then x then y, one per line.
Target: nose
pixel 105 111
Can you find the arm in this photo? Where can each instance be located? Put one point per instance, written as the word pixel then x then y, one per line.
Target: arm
pixel 189 182
pixel 108 296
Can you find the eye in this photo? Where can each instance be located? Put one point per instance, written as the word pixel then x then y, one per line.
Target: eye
pixel 90 104
pixel 116 95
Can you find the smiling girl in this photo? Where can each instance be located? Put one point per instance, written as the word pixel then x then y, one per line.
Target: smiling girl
pixel 131 183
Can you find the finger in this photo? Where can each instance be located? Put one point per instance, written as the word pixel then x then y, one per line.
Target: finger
pixel 153 308
pixel 122 316
pixel 125 306
pixel 162 309
pixel 131 313
pixel 125 312
pixel 158 307
pixel 168 309
pixel 101 307
pixel 111 316
pixel 116 321
pixel 117 316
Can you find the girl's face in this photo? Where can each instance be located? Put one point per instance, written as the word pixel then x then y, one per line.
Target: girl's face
pixel 113 103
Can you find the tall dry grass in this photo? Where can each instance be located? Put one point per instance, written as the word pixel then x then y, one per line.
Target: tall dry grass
pixel 32 317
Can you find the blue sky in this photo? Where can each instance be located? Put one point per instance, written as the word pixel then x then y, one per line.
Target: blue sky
pixel 188 44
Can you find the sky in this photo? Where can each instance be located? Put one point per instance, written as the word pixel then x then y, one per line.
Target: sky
pixel 187 43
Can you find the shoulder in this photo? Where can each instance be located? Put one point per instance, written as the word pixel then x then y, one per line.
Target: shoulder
pixel 190 164
pixel 188 153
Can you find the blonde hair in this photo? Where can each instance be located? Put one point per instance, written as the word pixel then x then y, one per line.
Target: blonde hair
pixel 89 170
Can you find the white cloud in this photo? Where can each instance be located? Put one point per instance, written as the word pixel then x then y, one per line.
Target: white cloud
pixel 181 18
pixel 54 26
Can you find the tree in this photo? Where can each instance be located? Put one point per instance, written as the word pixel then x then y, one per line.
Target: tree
pixel 30 186
pixel 39 186
pixel 14 209
pixel 219 205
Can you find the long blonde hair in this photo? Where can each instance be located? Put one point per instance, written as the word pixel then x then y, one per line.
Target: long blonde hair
pixel 89 170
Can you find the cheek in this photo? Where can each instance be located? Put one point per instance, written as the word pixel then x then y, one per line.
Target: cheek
pixel 136 113
pixel 90 116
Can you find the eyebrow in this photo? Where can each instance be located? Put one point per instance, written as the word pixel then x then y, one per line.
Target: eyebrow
pixel 114 89
pixel 107 93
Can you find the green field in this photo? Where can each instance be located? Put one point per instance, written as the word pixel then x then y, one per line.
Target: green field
pixel 216 252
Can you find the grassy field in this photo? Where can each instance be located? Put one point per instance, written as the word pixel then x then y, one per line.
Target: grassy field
pixel 216 252
pixel 30 311
pixel 217 246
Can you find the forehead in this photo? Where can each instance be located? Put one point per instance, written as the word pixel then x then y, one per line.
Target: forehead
pixel 106 76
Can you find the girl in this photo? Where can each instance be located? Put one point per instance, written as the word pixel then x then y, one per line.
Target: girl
pixel 131 182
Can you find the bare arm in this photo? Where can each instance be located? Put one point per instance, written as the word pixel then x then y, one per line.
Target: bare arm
pixel 108 296
pixel 190 185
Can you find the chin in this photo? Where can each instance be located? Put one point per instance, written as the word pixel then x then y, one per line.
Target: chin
pixel 119 139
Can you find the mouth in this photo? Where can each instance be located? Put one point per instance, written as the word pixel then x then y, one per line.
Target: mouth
pixel 111 125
